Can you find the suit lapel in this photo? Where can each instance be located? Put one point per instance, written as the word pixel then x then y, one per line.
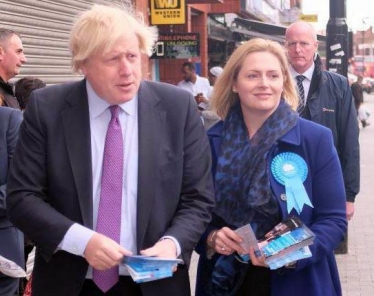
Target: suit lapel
pixel 76 126
pixel 151 122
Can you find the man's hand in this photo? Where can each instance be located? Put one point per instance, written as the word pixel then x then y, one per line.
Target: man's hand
pixel 103 253
pixel 350 206
pixel 164 248
pixel 201 99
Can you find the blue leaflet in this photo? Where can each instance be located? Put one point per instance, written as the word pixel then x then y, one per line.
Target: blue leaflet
pixel 144 268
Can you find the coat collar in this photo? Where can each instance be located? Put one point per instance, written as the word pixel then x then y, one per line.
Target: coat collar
pixel 292 137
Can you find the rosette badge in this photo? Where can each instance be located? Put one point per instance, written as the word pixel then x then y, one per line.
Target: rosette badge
pixel 291 170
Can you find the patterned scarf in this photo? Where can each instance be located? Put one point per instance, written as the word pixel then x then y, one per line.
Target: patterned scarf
pixel 243 193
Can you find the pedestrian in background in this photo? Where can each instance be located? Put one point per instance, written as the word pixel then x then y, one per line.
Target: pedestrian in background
pixel 12 57
pixel 198 86
pixel 209 116
pixel 214 73
pixel 110 166
pixel 260 142
pixel 358 96
pixel 23 88
pixel 326 98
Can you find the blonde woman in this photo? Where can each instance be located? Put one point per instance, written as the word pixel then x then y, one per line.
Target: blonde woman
pixel 256 146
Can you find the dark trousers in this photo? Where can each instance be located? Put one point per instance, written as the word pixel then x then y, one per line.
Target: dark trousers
pixel 8 285
pixel 256 282
pixel 125 286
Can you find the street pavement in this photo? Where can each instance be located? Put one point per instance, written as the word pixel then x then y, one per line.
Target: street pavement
pixel 356 268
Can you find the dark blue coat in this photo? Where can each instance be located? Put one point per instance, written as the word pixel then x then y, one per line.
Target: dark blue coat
pixel 318 275
pixel 11 239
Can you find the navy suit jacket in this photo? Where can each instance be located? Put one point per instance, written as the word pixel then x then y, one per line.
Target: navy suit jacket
pixel 50 182
pixel 11 240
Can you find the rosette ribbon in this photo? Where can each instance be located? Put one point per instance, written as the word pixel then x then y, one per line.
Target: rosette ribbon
pixel 291 170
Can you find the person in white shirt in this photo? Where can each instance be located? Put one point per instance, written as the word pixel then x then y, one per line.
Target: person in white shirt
pixel 195 84
pixel 209 116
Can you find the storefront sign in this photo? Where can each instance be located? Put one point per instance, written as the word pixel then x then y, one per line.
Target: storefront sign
pixel 177 46
pixel 168 12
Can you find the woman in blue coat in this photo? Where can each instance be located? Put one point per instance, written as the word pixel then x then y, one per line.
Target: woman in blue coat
pixel 260 143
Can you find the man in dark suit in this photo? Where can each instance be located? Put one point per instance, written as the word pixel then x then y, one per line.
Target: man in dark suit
pixel 326 99
pixel 160 164
pixel 11 239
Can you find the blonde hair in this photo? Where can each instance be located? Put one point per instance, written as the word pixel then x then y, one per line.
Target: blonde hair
pixel 98 29
pixel 223 97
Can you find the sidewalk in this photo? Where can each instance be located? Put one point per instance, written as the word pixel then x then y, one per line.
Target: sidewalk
pixel 357 267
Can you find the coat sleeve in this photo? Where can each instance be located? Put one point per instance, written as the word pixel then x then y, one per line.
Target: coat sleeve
pixel 11 136
pixel 328 218
pixel 348 145
pixel 196 197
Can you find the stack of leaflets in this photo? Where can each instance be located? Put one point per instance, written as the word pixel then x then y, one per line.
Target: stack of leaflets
pixel 144 269
pixel 287 242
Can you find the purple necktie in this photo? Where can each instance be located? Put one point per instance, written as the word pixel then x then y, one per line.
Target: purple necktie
pixel 109 214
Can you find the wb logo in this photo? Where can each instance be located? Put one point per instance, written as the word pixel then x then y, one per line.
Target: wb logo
pixel 167 4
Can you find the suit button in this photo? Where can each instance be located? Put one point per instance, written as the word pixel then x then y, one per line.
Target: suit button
pixel 283 197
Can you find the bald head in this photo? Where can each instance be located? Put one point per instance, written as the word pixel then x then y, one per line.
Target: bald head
pixel 301 44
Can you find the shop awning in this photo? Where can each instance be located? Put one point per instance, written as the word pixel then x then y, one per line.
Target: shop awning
pixel 253 28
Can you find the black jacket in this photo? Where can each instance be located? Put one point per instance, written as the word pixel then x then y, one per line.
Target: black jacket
pixel 330 103
pixel 7 92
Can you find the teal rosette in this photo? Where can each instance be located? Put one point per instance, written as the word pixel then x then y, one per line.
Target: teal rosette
pixel 291 170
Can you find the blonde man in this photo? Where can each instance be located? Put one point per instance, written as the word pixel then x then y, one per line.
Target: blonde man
pixel 110 148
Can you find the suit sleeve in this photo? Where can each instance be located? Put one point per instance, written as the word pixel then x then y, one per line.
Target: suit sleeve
pixel 13 124
pixel 197 197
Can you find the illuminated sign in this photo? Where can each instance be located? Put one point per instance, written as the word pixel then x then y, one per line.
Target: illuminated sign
pixel 177 46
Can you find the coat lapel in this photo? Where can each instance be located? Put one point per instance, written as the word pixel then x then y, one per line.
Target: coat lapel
pixel 151 122
pixel 76 126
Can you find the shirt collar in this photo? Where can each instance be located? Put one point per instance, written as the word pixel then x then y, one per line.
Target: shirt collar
pixel 308 74
pixel 98 105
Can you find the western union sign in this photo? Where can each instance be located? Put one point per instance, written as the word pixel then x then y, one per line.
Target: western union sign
pixel 168 12
pixel 312 18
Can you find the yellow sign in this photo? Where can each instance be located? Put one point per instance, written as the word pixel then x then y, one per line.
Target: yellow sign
pixel 312 18
pixel 168 12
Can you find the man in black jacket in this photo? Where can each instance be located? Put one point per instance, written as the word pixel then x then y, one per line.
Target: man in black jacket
pixel 328 101
pixel 12 57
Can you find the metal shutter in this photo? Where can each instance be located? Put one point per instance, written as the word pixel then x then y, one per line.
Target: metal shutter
pixel 44 26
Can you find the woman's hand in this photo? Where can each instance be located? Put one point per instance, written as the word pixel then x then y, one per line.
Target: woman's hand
pixel 257 261
pixel 225 241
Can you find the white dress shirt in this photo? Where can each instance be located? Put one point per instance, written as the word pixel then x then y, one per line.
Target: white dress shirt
pixel 77 237
pixel 308 74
